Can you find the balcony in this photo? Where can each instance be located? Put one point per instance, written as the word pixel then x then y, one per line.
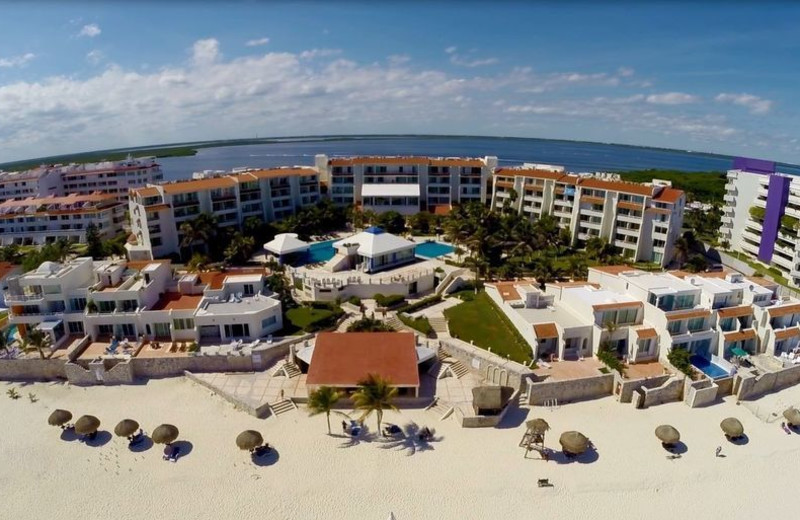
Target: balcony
pixel 23 298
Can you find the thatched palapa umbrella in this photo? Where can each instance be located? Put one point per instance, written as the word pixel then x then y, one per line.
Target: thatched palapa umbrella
pixel 87 425
pixel 126 428
pixel 573 443
pixel 732 428
pixel 537 426
pixel 165 434
pixel 667 434
pixel 59 418
pixel 249 440
pixel 792 416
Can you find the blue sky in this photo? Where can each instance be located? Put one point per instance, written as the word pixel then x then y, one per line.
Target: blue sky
pixel 720 77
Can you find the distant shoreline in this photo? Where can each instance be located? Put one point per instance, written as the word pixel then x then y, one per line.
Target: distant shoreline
pixel 191 148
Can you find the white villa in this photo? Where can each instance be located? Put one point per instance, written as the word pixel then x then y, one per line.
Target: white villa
pixel 141 301
pixel 371 251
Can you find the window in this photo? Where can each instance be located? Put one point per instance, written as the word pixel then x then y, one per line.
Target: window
pixel 644 346
pixel 696 324
pixel 626 316
pixel 268 321
pixel 237 330
pixel 77 304
pixel 726 324
pixel 183 323
pixel 684 301
pixel 248 289
pixel 674 326
pixel 75 327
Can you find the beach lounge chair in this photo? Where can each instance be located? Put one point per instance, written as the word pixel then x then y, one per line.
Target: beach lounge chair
pixel 171 453
pixel 544 482
pixel 137 438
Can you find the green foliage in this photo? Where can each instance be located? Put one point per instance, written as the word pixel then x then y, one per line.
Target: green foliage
pixel 355 300
pixel 696 264
pixel 278 284
pixel 704 224
pixel 88 157
pixel 392 222
pixel 481 322
pixel 789 223
pixel 699 186
pixel 320 219
pixel 609 358
pixel 424 223
pixel 757 212
pixel 94 244
pixel 57 251
pixel 322 400
pixel 12 393
pixel 679 357
pixel 239 249
pixel 374 394
pixel 310 319
pixel 193 347
pixel 197 263
pixel 389 301
pixel 369 324
pixel 425 302
pixel 421 323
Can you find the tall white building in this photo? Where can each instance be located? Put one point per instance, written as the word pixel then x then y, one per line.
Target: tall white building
pixel 642 220
pixel 157 211
pixel 407 185
pixel 111 177
pixel 761 216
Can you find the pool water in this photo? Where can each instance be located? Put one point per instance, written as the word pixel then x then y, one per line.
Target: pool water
pixel 319 252
pixel 708 368
pixel 433 249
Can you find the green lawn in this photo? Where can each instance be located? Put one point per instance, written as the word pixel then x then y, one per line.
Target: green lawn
pixel 306 319
pixel 761 269
pixel 482 322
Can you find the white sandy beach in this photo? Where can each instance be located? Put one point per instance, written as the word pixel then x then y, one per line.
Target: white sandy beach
pixel 478 473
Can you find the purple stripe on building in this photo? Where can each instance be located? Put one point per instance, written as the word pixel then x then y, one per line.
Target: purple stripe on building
pixel 777 198
pixel 753 165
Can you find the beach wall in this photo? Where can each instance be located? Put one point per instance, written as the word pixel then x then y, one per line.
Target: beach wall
pixel 32 369
pixel 497 370
pixel 750 386
pixel 700 393
pixel 670 391
pixel 571 390
pixel 488 421
pixel 623 388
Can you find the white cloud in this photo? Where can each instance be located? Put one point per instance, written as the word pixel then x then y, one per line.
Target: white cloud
pixel 205 51
pixel 625 72
pixel 755 104
pixel 398 59
pixel 257 42
pixel 319 53
pixel 671 98
pixel 451 49
pixel 90 30
pixel 467 60
pixel 16 61
pixel 95 56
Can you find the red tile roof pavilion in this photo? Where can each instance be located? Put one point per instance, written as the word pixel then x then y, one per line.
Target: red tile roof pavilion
pixel 342 359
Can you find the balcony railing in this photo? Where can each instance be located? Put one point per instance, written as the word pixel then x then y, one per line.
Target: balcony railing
pixel 21 298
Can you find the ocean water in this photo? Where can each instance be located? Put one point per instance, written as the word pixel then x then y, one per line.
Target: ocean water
pixel 575 156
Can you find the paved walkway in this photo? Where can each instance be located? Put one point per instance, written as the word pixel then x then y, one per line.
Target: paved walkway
pixel 257 388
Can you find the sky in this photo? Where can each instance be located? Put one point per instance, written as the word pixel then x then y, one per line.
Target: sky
pixel 718 77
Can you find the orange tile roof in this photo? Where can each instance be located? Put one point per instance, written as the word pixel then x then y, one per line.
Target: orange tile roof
pixel 580 283
pixel 177 301
pixel 733 312
pixel 474 163
pixel 545 330
pixel 613 269
pixel 740 335
pixel 212 183
pixel 148 191
pixel 7 268
pixel 615 305
pixel 441 209
pixel 659 211
pixel 646 333
pixel 783 310
pixel 138 265
pixel 277 172
pixel 787 333
pixel 623 187
pixel 72 198
pixel 668 195
pixel 683 315
pixel 760 280
pixel 530 172
pixel 592 200
pixel 630 205
pixel 343 359
pixel 346 161
pixel 157 207
pixel 215 279
pixel 507 290
pixel 504 184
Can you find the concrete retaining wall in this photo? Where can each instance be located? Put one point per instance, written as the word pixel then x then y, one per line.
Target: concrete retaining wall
pixel 495 369
pixel 488 421
pixel 753 386
pixel 32 369
pixel 700 393
pixel 571 390
pixel 623 388
pixel 261 411
pixel 670 391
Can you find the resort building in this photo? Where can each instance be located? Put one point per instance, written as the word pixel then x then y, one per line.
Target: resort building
pixel 642 220
pixel 7 270
pixel 141 301
pixel 110 177
pixel 157 211
pixel 762 215
pixel 36 221
pixel 371 251
pixel 344 359
pixel 573 320
pixel 407 185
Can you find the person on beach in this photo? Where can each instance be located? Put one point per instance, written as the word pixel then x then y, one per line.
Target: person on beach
pixel 344 426
pixel 719 451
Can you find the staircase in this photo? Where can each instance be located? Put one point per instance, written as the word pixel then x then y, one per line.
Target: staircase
pixel 523 399
pixel 452 367
pixel 394 322
pixel 439 324
pixel 281 407
pixel 347 322
pixel 441 409
pixel 286 369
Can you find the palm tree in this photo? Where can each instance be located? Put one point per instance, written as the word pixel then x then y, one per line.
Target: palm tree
pixel 197 263
pixel 202 229
pixel 38 340
pixel 322 400
pixel 239 248
pixel 578 269
pixel 682 248
pixel 545 271
pixel 374 394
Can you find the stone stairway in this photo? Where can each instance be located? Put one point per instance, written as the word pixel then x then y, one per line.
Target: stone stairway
pixel 452 367
pixel 441 409
pixel 394 322
pixel 286 369
pixel 523 399
pixel 439 324
pixel 346 323
pixel 281 407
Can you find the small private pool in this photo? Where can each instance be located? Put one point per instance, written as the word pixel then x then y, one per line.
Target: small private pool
pixel 433 249
pixel 707 367
pixel 319 252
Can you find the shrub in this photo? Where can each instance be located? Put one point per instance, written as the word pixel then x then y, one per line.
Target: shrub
pixel 421 324
pixel 389 301
pixel 355 300
pixel 426 302
pixel 609 358
pixel 368 324
pixel 679 357
pixel 193 347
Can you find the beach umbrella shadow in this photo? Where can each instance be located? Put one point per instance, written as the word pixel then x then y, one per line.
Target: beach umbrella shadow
pixel 587 457
pixel 69 435
pixel 679 448
pixel 741 440
pixel 143 445
pixel 267 459
pixel 101 438
pixel 185 447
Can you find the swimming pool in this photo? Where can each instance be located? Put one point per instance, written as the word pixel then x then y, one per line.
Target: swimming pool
pixel 319 252
pixel 708 368
pixel 433 249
